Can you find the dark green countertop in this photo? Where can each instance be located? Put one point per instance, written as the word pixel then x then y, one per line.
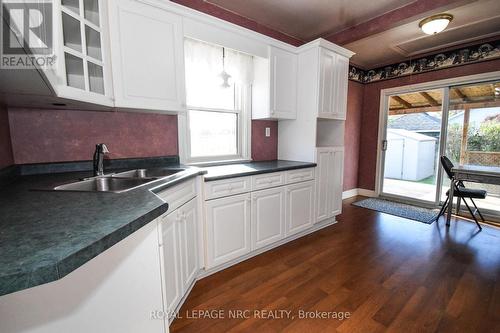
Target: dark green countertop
pixel 252 168
pixel 44 235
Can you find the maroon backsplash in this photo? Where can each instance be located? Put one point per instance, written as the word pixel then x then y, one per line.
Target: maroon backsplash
pixel 66 135
pixel 45 136
pixel 264 148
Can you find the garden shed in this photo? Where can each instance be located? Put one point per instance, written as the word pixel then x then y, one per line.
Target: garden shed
pixel 409 156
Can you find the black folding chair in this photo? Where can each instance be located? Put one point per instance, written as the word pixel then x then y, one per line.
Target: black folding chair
pixel 461 192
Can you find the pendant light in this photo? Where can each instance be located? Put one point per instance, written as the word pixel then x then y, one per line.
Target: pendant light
pixel 224 75
pixel 435 24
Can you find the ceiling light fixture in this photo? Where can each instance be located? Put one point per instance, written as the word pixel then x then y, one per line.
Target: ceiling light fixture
pixel 435 24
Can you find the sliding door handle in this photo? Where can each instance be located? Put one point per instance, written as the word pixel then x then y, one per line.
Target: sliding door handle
pixel 384 145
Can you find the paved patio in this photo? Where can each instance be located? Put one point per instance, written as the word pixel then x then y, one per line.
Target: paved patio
pixel 427 192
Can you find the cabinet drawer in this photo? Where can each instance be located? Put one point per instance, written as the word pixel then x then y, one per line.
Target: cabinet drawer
pixel 300 175
pixel 223 188
pixel 178 195
pixel 267 180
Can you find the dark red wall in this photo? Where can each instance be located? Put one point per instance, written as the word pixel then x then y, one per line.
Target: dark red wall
pixel 6 158
pixel 352 134
pixel 40 135
pixel 264 148
pixel 60 135
pixel 223 14
pixel 371 106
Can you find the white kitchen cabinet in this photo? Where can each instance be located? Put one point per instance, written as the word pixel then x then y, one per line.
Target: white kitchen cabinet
pixel 228 228
pixel 321 100
pixel 179 253
pixel 147 55
pixel 329 182
pixel 115 292
pixel 326 82
pixel 188 236
pixel 299 207
pixel 274 90
pixel 341 82
pixel 323 182
pixel 179 243
pixel 83 51
pixel 333 85
pixel 268 216
pixel 171 261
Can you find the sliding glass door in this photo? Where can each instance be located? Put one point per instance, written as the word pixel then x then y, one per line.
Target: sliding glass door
pixel 473 134
pixel 412 144
pixel 461 122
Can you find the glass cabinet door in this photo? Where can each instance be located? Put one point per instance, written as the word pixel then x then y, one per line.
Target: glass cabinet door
pixel 83 58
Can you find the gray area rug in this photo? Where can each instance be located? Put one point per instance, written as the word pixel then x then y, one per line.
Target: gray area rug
pixel 419 214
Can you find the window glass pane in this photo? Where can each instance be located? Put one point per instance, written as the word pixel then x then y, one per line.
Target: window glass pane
pixel 474 134
pixel 92 11
pixel 206 66
pixel 73 5
pixel 213 133
pixel 74 71
pixel 93 40
pixel 96 78
pixel 71 33
pixel 413 136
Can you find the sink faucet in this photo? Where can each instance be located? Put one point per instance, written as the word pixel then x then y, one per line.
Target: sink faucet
pixel 100 151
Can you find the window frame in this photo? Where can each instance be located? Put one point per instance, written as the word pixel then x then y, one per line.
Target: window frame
pixel 242 109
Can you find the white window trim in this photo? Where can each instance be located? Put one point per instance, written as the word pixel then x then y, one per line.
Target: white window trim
pixel 244 134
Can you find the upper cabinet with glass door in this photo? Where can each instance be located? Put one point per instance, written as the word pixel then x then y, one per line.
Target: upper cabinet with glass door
pixel 83 71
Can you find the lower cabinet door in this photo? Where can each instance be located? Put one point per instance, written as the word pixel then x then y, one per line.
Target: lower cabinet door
pixel 188 236
pixel 299 207
pixel 336 180
pixel 268 217
pixel 170 253
pixel 228 229
pixel 323 175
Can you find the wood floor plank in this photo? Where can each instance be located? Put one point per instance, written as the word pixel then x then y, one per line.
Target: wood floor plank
pixel 388 273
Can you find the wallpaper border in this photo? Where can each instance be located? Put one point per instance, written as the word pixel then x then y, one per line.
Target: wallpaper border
pixel 458 57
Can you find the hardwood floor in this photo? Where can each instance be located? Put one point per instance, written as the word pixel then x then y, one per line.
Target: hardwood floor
pixel 390 274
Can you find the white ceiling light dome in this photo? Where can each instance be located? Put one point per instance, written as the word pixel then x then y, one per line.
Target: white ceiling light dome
pixel 435 24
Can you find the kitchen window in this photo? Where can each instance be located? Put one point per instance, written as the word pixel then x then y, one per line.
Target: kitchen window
pixel 218 87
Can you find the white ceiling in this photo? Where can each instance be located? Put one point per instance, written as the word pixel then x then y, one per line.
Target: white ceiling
pixel 309 19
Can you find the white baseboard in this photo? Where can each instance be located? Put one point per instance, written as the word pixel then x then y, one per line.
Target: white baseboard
pixel 350 193
pixel 358 191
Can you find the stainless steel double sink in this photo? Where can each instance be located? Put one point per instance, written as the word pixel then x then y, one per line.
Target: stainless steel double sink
pixel 120 182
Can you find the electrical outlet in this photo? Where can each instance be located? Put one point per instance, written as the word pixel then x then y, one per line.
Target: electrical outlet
pixel 268 131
